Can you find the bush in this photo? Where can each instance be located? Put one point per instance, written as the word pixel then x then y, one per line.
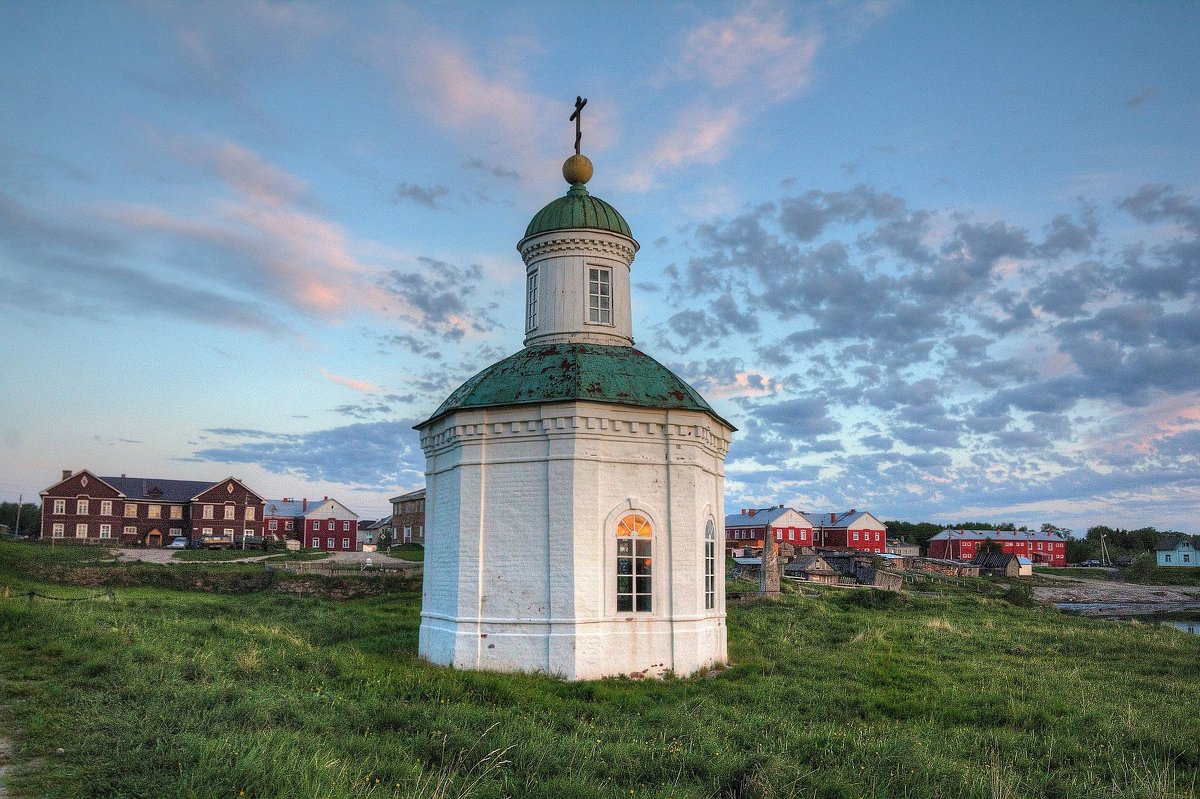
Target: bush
pixel 1143 569
pixel 872 598
pixel 1020 595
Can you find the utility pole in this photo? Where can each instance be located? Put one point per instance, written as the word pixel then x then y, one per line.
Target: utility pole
pixel 20 502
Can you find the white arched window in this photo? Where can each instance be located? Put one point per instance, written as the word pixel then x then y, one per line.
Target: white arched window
pixel 635 583
pixel 710 566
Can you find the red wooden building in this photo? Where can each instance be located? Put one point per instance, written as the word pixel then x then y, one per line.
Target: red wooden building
pixel 148 511
pixel 318 524
pixel 854 529
pixel 748 529
pixel 1039 547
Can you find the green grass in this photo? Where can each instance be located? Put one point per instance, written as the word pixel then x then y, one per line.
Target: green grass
pixel 219 555
pixel 173 693
pixel 413 552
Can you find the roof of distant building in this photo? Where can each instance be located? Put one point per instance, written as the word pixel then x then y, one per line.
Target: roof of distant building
pixel 993 560
pixel 154 488
pixel 757 517
pixel 1171 544
pixel 996 535
pixel 834 519
pixel 411 495
pixel 286 507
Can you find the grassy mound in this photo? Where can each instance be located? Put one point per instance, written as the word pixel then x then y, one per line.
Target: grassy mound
pixel 174 693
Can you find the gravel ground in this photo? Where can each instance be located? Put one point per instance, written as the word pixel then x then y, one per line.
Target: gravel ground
pixel 1105 592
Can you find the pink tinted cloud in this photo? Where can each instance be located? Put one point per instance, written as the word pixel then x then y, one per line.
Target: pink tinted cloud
pixel 754 50
pixel 353 383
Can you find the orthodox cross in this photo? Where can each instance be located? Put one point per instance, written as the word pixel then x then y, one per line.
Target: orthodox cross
pixel 580 102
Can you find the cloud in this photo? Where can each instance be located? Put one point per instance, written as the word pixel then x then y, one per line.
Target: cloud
pixel 433 297
pixel 495 170
pixel 752 48
pixel 1148 93
pixel 381 455
pixel 421 195
pixel 349 382
pixel 981 358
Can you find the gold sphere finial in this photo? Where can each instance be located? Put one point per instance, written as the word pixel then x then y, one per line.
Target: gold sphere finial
pixel 577 169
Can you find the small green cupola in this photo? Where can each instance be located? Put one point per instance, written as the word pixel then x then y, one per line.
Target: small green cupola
pixel 578 209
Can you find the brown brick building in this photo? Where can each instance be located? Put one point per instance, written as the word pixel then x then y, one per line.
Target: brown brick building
pixel 84 508
pixel 408 517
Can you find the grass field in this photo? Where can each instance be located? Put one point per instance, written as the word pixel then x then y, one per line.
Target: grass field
pixel 182 693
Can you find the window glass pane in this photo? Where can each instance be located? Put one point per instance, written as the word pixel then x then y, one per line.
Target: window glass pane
pixel 624 565
pixel 643 548
pixel 624 585
pixel 643 585
pixel 624 546
pixel 625 603
pixel 643 565
pixel 643 603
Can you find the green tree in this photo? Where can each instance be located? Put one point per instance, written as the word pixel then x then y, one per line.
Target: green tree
pixel 31 517
pixel 1081 549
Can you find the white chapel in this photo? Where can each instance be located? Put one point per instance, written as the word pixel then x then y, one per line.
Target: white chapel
pixel 574 490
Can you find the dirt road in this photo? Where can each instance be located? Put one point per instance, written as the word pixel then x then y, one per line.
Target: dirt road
pixel 1112 598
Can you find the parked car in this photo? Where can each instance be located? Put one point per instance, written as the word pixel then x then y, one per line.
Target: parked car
pixel 1090 563
pixel 178 542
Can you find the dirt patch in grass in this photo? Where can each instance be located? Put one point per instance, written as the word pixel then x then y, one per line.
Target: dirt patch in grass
pixel 5 755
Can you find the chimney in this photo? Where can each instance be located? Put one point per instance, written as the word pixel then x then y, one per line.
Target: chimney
pixel 122 474
pixel 852 510
pixel 326 498
pixel 753 511
pixel 305 508
pixel 832 517
pixel 66 473
pixel 745 511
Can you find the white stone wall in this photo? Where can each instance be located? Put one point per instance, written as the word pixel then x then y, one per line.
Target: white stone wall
pixel 562 260
pixel 520 560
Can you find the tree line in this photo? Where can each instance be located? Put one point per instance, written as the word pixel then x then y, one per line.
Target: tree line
pixel 31 517
pixel 1117 541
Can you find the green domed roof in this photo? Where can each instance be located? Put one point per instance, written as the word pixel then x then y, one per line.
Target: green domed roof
pixel 567 372
pixel 578 209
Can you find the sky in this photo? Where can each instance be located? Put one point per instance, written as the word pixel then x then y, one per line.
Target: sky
pixel 936 260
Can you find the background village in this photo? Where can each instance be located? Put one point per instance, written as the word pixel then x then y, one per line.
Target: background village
pixel 851 547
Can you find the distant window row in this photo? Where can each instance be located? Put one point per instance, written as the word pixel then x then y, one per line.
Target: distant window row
pixel 330 524
pixel 83 508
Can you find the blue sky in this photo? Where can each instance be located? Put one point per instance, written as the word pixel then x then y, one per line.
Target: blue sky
pixel 937 260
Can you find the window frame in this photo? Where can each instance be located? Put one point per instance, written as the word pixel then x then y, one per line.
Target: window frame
pixel 599 302
pixel 106 507
pixel 531 301
pixel 633 565
pixel 60 507
pixel 710 566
